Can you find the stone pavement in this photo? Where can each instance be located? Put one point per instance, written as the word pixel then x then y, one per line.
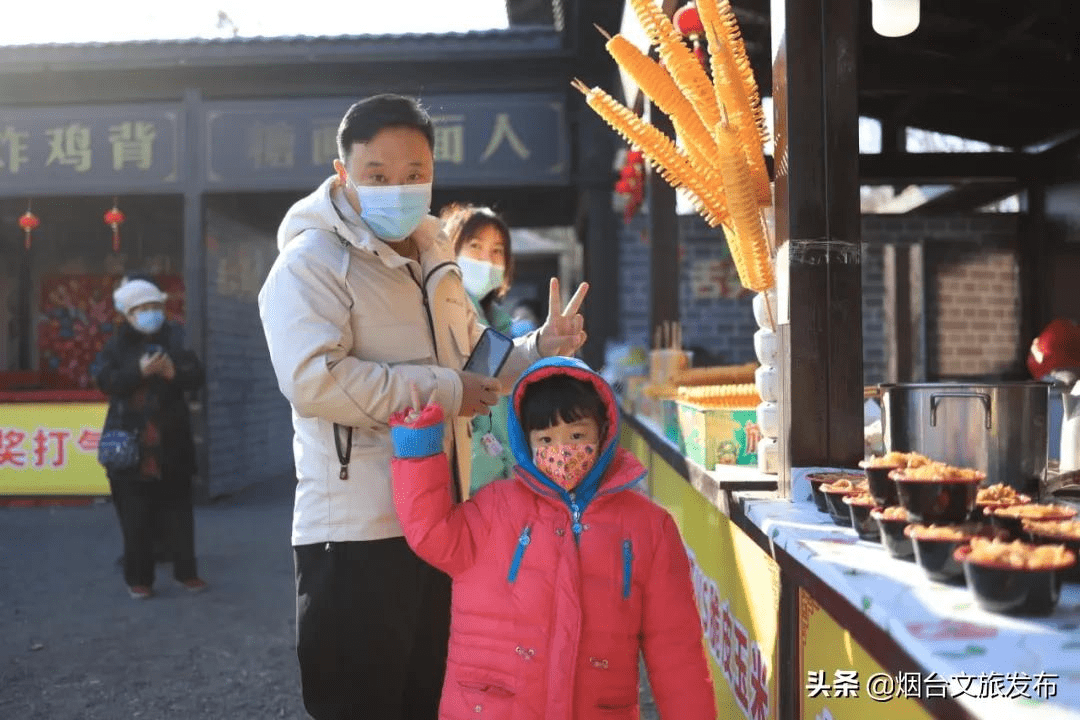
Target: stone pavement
pixel 74 646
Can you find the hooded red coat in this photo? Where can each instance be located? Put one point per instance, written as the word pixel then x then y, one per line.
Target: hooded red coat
pixel 548 623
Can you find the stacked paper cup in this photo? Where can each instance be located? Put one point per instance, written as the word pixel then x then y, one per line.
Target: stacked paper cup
pixel 767 378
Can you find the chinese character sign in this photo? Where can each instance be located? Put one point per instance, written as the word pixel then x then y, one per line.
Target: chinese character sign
pixel 497 139
pixel 93 148
pixel 51 449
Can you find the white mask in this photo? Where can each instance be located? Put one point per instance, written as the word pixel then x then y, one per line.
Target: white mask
pixel 393 211
pixel 479 276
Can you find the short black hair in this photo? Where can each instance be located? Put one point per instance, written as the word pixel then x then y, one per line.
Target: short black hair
pixel 366 118
pixel 561 397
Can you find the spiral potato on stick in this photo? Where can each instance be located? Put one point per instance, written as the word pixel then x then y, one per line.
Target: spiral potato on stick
pixel 746 234
pixel 674 166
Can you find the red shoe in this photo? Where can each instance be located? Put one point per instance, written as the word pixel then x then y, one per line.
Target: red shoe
pixel 140 592
pixel 195 584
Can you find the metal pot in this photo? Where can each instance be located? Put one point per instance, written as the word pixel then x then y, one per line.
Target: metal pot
pixel 999 428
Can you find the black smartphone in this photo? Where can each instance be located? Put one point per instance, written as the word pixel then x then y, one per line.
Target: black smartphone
pixel 490 353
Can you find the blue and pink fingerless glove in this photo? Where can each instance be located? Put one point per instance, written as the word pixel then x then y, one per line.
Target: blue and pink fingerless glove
pixel 417 433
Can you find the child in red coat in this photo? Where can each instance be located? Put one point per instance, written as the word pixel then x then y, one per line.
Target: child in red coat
pixel 563 575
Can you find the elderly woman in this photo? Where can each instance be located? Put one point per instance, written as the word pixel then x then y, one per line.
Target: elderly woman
pixel 145 371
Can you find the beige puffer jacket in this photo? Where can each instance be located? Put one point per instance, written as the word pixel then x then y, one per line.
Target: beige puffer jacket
pixel 350 324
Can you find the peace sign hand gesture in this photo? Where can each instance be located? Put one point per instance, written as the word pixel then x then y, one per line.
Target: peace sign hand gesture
pixel 564 330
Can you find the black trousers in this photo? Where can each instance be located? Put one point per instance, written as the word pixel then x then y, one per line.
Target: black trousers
pixel 372 629
pixel 155 509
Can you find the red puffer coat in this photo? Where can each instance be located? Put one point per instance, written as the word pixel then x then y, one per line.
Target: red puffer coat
pixel 548 623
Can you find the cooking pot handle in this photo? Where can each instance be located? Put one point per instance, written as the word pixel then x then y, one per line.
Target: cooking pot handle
pixel 935 398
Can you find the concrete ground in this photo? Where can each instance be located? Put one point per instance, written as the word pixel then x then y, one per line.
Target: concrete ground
pixel 73 646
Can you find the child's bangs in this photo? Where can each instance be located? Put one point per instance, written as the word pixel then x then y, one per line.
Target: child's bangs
pixel 559 398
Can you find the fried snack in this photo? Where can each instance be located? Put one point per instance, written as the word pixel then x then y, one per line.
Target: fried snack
pixel 743 395
pixel 846 486
pixel 895 459
pixel 683 65
pixel 736 89
pixel 940 532
pixel 747 235
pixel 716 375
pixel 860 498
pixel 1035 511
pixel 834 475
pixel 938 471
pixel 673 164
pixel 1063 529
pixel 894 512
pixel 998 494
pixel 1019 555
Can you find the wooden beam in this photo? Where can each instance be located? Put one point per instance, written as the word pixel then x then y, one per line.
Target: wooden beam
pixel 818 226
pixel 967 198
pixel 942 168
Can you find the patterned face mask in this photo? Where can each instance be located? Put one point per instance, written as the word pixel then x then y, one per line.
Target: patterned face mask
pixel 567 465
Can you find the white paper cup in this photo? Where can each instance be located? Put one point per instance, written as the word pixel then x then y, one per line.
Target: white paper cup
pixel 767 347
pixel 761 313
pixel 767 379
pixel 768 419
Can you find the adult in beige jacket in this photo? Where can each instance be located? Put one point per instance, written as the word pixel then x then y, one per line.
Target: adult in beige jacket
pixel 363 302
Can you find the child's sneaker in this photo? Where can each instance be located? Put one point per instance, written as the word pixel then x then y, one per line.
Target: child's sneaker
pixel 195 584
pixel 140 592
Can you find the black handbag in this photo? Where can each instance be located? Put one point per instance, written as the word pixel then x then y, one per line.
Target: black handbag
pixel 118 450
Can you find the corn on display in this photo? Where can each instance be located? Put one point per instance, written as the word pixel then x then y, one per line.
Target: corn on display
pixel 672 163
pixel 743 395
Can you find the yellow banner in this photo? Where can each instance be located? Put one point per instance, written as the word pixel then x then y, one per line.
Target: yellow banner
pixel 738 592
pixel 839 680
pixel 51 449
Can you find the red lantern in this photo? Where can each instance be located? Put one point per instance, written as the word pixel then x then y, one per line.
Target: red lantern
pixel 28 222
pixel 689 24
pixel 113 218
pixel 631 183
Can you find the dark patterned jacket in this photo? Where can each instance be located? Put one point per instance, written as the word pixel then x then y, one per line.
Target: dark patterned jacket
pixel 118 375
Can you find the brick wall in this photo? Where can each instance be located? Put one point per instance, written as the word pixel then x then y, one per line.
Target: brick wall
pixel 248 419
pixel 971 279
pixel 723 327
pixel 970 292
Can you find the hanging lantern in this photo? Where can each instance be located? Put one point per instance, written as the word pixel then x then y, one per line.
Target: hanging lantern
pixel 28 222
pixel 689 24
pixel 113 218
pixel 631 183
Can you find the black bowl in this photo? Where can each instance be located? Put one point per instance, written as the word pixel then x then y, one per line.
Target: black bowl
pixel 1015 525
pixel 935 557
pixel 817 479
pixel 1004 589
pixel 1070 574
pixel 940 502
pixel 838 510
pixel 882 487
pixel 892 535
pixel 859 511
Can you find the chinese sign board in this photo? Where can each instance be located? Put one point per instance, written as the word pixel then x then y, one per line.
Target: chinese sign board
pixel 51 449
pixel 481 140
pixel 92 149
pixel 737 587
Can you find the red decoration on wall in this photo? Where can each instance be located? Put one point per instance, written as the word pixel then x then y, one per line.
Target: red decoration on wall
pixel 28 222
pixel 77 317
pixel 631 183
pixel 113 218
pixel 689 23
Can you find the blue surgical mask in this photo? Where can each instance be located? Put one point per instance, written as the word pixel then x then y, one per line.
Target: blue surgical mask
pixel 479 276
pixel 148 322
pixel 393 211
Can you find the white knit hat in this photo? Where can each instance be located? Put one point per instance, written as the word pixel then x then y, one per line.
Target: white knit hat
pixel 134 293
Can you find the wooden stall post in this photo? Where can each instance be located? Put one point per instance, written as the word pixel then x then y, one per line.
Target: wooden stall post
pixel 663 239
pixel 819 264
